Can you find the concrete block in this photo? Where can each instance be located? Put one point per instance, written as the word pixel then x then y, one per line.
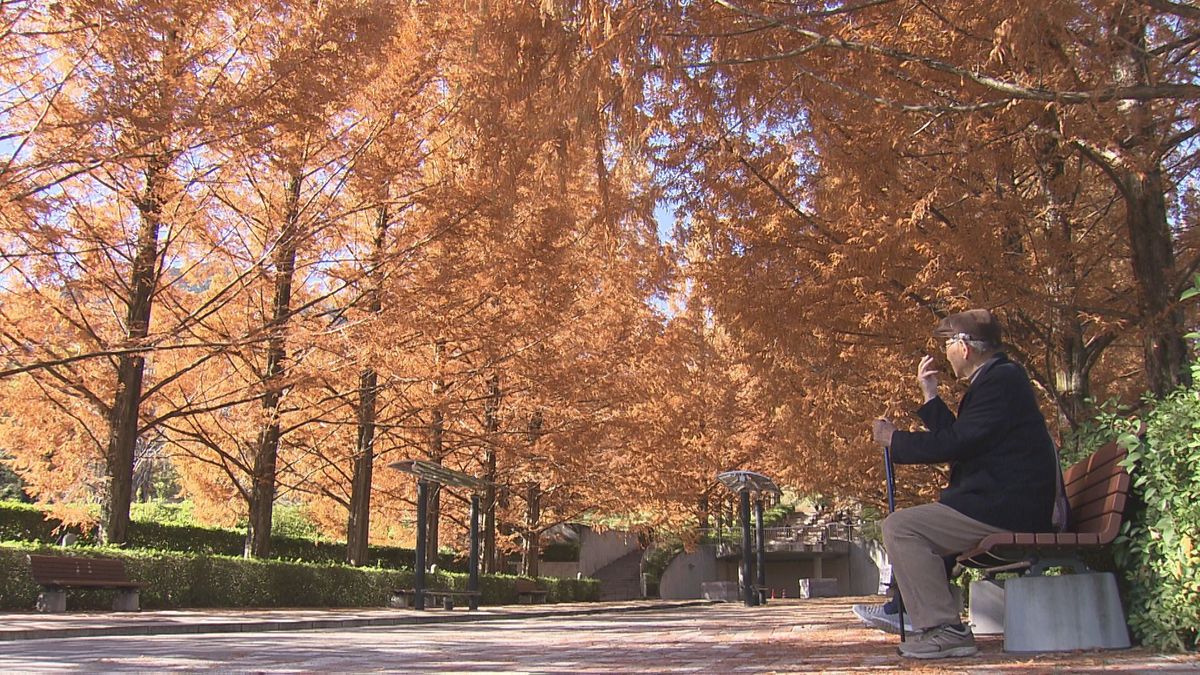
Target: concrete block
pixel 1063 613
pixel 400 600
pixel 818 588
pixel 986 613
pixel 52 601
pixel 126 601
pixel 723 591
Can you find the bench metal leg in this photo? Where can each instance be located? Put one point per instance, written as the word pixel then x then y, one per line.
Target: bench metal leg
pixel 1063 613
pixel 52 601
pixel 126 601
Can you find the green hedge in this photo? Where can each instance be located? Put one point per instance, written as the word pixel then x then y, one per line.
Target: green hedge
pixel 1160 545
pixel 176 580
pixel 24 522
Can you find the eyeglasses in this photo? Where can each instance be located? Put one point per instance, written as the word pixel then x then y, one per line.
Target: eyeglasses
pixel 961 337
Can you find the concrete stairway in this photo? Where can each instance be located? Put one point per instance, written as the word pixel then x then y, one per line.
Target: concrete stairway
pixel 621 579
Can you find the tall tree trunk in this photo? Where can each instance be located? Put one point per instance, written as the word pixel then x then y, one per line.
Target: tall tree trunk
pixel 1070 362
pixel 1140 179
pixel 124 415
pixel 491 425
pixel 503 530
pixel 1164 348
pixel 262 497
pixel 530 550
pixel 358 529
pixel 437 429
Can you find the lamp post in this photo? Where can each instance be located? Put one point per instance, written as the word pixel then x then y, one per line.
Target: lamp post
pixel 743 483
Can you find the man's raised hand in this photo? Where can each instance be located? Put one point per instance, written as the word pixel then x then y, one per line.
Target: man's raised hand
pixel 927 378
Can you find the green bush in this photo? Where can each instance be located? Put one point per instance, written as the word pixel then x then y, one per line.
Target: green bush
pixel 11 485
pixel 170 513
pixel 561 551
pixel 1158 548
pixel 176 580
pixel 290 520
pixel 24 522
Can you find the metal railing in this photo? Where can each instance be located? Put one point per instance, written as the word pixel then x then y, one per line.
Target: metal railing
pixel 828 537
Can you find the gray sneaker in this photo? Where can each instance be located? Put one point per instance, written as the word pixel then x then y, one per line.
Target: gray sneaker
pixel 942 642
pixel 874 616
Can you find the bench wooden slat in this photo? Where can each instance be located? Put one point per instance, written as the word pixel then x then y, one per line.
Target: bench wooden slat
pixel 405 597
pixel 1097 488
pixel 432 591
pixel 57 574
pixel 1101 491
pixel 71 572
pixel 528 591
pixel 1092 515
pixel 87 583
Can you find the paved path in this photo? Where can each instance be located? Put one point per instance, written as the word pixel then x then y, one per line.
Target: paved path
pixel 784 636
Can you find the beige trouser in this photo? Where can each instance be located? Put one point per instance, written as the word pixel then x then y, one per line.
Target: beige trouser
pixel 917 539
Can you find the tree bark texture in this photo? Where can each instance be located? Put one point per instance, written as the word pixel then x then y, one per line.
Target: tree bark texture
pixel 1164 348
pixel 124 414
pixel 491 425
pixel 1140 180
pixel 358 527
pixel 530 550
pixel 262 496
pixel 437 429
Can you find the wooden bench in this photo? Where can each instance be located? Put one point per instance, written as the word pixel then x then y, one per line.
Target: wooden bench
pixel 1097 489
pixel 57 574
pixel 1057 613
pixel 404 598
pixel 529 593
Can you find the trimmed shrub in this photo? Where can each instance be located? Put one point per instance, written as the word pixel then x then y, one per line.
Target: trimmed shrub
pixel 175 580
pixel 571 590
pixel 24 522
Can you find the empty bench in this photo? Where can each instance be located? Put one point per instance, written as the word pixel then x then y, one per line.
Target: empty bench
pixel 529 593
pixel 1057 613
pixel 58 574
pixel 405 598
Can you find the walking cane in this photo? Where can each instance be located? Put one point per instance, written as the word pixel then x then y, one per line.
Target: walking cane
pixel 891 497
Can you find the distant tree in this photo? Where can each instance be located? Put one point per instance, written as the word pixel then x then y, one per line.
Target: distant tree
pixel 12 488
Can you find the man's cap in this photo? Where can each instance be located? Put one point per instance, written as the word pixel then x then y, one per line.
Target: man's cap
pixel 977 324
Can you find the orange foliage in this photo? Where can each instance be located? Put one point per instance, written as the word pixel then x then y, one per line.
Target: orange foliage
pixel 468 195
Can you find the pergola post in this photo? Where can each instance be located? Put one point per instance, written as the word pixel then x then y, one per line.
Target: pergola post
pixel 473 578
pixel 760 549
pixel 422 526
pixel 747 582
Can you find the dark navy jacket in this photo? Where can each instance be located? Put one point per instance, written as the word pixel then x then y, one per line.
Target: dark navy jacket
pixel 1000 453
